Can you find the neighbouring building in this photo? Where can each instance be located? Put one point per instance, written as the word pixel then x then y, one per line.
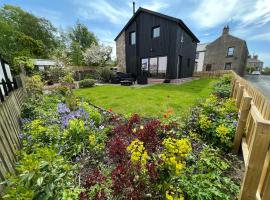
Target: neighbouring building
pixel 160 45
pixel 226 53
pixel 43 64
pixel 255 63
pixel 200 53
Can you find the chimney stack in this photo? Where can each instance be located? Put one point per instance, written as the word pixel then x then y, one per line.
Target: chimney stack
pixel 133 7
pixel 226 30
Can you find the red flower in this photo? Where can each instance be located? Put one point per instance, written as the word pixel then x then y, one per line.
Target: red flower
pixel 165 116
pixel 110 110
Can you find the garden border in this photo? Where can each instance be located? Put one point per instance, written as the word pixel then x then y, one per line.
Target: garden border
pixel 252 133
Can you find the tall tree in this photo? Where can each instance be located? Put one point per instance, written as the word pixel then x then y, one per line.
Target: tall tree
pixel 82 36
pixel 39 29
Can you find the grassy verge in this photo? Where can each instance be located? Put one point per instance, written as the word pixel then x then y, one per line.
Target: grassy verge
pixel 152 101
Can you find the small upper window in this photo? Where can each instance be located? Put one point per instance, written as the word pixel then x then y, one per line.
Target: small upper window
pixel 197 55
pixel 132 38
pixel 230 51
pixel 155 32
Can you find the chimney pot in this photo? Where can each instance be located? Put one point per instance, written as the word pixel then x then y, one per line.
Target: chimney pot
pixel 226 30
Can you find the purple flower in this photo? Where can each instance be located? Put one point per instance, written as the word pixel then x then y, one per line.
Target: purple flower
pixel 62 108
pixel 81 113
pixel 235 124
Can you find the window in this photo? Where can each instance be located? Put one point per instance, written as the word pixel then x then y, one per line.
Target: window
pixel 208 67
pixel 132 38
pixel 196 67
pixel 197 55
pixel 182 37
pixel 230 51
pixel 153 66
pixel 228 66
pixel 156 66
pixel 145 64
pixel 155 32
pixel 162 66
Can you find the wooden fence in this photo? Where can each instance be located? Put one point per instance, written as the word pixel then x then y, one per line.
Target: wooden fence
pixel 252 135
pixel 10 109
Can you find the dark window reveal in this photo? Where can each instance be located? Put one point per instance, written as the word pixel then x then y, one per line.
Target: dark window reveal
pixel 208 67
pixel 132 38
pixel 155 32
pixel 228 66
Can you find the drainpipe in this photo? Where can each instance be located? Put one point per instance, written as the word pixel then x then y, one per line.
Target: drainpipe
pixel 133 7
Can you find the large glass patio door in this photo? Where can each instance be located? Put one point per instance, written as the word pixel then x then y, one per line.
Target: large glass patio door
pixel 155 66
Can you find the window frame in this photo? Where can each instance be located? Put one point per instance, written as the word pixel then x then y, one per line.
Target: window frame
pixel 152 32
pixel 228 51
pixel 130 37
pixel 229 64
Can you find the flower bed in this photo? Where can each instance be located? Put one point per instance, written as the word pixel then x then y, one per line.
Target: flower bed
pixel 74 151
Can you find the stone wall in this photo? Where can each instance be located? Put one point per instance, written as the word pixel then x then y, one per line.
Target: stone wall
pixel 121 52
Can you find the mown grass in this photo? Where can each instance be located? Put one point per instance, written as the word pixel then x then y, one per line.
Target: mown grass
pixel 151 101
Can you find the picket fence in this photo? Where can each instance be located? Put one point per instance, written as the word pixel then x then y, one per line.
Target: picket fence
pixel 10 109
pixel 252 136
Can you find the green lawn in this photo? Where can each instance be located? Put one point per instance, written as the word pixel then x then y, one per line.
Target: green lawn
pixel 149 101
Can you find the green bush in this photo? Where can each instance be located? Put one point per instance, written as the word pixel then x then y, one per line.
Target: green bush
pixel 87 83
pixel 34 85
pixel 105 74
pixel 223 87
pixel 54 74
pixel 42 174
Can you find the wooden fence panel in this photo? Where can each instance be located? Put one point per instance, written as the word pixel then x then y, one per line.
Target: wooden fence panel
pixel 253 134
pixel 9 131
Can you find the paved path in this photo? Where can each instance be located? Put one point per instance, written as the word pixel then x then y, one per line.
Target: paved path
pixel 262 82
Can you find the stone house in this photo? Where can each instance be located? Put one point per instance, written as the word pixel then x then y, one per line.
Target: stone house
pixel 226 53
pixel 255 63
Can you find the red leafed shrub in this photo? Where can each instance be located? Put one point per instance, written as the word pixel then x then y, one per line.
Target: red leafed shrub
pixel 117 149
pixel 152 171
pixel 83 196
pixel 122 130
pixel 95 177
pixel 149 135
pixel 124 183
pixel 134 119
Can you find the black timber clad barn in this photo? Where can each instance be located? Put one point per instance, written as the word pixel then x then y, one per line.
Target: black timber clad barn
pixel 161 45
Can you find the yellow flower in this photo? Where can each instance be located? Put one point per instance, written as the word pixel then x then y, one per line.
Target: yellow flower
pixel 138 153
pixel 175 150
pixel 204 122
pixel 141 127
pixel 222 132
pixel 134 130
pixel 92 139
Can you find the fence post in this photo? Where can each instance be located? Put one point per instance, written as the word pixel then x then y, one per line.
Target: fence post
pixel 9 85
pixel 15 85
pixel 239 95
pixel 257 152
pixel 2 98
pixel 236 86
pixel 4 84
pixel 244 110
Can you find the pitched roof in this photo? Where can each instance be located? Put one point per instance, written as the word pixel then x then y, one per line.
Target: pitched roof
pixel 178 21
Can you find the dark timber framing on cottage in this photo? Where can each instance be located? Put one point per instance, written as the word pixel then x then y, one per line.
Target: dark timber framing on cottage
pixel 160 45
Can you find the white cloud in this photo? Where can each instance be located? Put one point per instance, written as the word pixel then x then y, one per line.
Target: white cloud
pixel 100 9
pixel 155 5
pixel 261 37
pixel 212 12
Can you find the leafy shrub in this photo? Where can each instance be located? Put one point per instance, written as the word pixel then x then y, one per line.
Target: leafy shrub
pixel 222 88
pixel 33 85
pixel 43 174
pixel 105 74
pixel 54 74
pixel 87 83
pixel 205 178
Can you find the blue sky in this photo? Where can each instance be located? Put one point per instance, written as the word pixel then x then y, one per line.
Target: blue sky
pixel 248 19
